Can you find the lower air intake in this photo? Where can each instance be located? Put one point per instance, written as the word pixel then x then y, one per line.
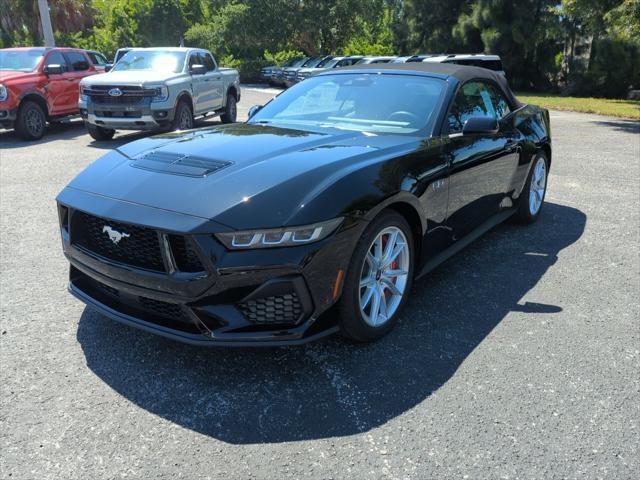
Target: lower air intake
pixel 283 309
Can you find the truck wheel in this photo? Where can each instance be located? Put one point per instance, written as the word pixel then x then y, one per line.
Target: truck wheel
pixel 100 133
pixel 183 119
pixel 31 121
pixel 231 111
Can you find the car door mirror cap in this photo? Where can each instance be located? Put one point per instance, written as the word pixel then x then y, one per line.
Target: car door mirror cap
pixel 198 69
pixel 53 69
pixel 253 110
pixel 480 125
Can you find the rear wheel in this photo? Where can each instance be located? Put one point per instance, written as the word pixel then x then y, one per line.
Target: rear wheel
pixel 231 110
pixel 100 133
pixel 183 119
pixel 31 121
pixel 532 196
pixel 378 280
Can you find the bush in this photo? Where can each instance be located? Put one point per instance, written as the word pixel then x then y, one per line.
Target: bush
pixel 281 56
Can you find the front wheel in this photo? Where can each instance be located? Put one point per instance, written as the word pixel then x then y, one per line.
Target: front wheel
pixel 31 121
pixel 183 119
pixel 378 280
pixel 231 110
pixel 100 133
pixel 533 193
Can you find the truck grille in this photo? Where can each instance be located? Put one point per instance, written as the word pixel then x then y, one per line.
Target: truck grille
pixel 130 95
pixel 141 248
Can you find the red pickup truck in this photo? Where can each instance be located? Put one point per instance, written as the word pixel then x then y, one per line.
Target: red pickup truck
pixel 40 85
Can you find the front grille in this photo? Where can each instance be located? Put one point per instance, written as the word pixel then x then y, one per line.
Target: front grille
pixel 118 114
pixel 276 310
pixel 164 309
pixel 124 100
pixel 136 246
pixel 130 95
pixel 184 254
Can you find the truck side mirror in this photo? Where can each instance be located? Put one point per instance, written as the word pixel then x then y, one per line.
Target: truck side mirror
pixel 108 67
pixel 197 69
pixel 253 110
pixel 53 69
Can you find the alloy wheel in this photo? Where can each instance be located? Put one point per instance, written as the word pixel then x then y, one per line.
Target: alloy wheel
pixel 186 121
pixel 384 276
pixel 538 185
pixel 34 122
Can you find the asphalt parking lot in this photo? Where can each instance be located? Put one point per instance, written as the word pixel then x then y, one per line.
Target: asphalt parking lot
pixel 518 358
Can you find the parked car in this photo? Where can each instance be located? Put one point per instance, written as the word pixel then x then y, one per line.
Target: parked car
pixel 151 88
pixel 330 62
pixel 277 74
pixel 371 60
pixel 412 58
pixel 291 73
pixel 98 60
pixel 121 52
pixel 268 74
pixel 492 62
pixel 40 85
pixel 337 193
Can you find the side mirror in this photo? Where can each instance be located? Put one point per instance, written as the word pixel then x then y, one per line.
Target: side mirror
pixel 53 69
pixel 108 67
pixel 197 69
pixel 253 110
pixel 486 125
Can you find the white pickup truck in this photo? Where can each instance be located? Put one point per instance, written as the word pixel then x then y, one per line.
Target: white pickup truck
pixel 155 88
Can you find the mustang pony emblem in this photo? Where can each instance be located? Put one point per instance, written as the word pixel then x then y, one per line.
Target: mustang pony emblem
pixel 114 235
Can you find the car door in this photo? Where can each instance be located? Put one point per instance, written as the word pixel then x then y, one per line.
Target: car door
pixel 79 67
pixel 198 84
pixel 56 85
pixel 481 165
pixel 214 84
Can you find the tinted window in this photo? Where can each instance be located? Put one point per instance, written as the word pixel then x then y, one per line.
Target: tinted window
pixel 472 100
pixel 208 62
pixel 56 58
pixel 97 58
pixel 500 104
pixel 78 61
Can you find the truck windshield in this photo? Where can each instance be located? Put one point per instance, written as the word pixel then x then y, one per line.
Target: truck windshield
pixel 369 103
pixel 155 60
pixel 21 60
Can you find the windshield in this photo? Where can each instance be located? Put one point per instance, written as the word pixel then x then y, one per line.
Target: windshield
pixel 400 104
pixel 20 60
pixel 325 62
pixel 311 63
pixel 291 62
pixel 155 60
pixel 330 63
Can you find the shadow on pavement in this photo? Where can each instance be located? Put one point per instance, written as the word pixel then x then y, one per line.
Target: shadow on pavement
pixel 627 126
pixel 67 130
pixel 335 388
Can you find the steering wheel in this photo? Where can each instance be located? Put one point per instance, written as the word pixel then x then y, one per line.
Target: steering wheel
pixel 403 115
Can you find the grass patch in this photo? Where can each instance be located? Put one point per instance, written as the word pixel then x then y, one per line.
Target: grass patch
pixel 602 106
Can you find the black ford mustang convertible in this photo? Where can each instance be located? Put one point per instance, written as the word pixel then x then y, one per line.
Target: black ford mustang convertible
pixel 314 216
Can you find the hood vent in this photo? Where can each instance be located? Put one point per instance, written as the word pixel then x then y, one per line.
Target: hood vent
pixel 178 164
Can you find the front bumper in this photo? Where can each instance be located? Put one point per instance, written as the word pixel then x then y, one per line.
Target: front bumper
pixel 8 117
pixel 141 116
pixel 251 297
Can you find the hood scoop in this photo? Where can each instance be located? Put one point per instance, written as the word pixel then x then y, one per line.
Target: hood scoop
pixel 178 164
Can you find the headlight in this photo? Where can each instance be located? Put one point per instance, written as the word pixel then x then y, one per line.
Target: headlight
pixel 83 96
pixel 162 94
pixel 4 93
pixel 278 237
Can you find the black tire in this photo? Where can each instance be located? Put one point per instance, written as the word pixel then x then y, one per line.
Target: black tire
pixel 231 110
pixel 100 133
pixel 183 118
pixel 31 121
pixel 352 323
pixel 524 214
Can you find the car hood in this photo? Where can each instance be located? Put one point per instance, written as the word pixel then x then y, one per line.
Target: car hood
pixel 14 75
pixel 128 78
pixel 260 176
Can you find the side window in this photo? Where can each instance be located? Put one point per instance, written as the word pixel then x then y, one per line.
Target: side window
pixel 194 60
pixel 56 58
pixel 208 62
pixel 78 61
pixel 500 104
pixel 472 100
pixel 97 59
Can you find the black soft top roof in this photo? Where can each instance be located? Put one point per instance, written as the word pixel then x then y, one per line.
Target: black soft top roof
pixel 462 73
